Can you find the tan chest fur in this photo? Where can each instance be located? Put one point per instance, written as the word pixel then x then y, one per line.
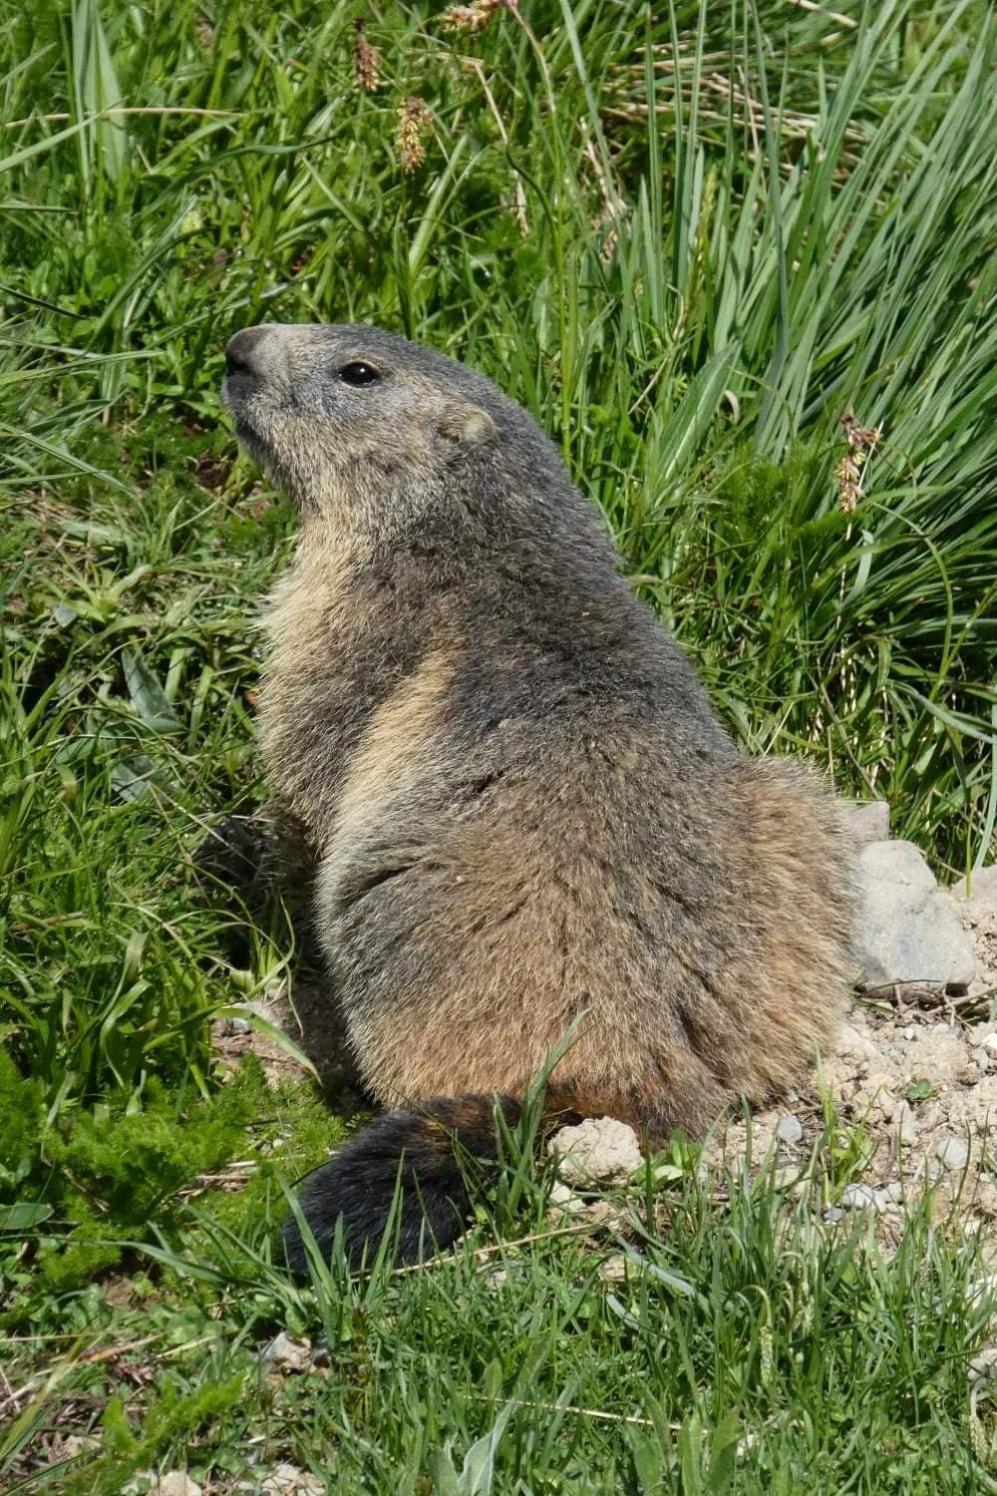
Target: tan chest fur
pixel 305 619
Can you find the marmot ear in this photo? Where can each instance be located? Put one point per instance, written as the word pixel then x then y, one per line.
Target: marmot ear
pixel 469 425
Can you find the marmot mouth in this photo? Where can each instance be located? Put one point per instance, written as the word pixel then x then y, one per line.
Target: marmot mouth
pixel 232 393
pixel 250 438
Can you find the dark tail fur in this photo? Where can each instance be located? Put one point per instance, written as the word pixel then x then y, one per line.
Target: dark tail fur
pixel 429 1148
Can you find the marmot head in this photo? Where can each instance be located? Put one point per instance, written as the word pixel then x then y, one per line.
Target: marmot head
pixel 366 429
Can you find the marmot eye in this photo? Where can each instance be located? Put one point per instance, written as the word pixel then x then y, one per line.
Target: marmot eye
pixel 358 373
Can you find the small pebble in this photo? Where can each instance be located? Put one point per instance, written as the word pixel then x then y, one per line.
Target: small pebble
pixel 789 1129
pixel 951 1153
pixel 984 1366
pixel 614 1269
pixel 288 1480
pixel 858 1197
pixel 284 1353
pixel 175 1483
pixel 833 1213
pixel 788 1178
pixel 239 1026
pixel 989 1043
pixel 563 1199
pixel 909 1031
pixel 906 1123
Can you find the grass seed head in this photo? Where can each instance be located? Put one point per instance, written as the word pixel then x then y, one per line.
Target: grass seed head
pixel 862 442
pixel 477 16
pixel 414 120
pixel 366 61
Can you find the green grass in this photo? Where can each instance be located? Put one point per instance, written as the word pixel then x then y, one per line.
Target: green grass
pixel 751 1349
pixel 692 240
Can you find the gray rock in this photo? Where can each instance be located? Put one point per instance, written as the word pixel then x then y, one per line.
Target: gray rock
pixel 907 928
pixel 952 1153
pixel 833 1213
pixel 906 1123
pixel 867 820
pixel 789 1129
pixel 859 1197
pixel 284 1353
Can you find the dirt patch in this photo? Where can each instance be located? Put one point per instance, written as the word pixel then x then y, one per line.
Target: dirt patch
pixel 915 1090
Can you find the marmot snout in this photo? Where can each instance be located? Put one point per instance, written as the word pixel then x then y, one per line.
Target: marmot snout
pixel 523 814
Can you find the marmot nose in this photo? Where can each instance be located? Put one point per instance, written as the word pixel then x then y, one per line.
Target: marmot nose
pixel 242 353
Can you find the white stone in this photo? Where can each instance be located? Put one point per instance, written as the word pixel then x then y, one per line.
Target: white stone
pixel 859 1197
pixel 952 1153
pixel 175 1483
pixel 288 1480
pixel 284 1353
pixel 598 1149
pixel 564 1201
pixel 906 1123
pixel 789 1129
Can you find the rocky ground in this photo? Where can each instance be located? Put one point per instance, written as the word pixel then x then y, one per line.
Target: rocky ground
pixel 912 1076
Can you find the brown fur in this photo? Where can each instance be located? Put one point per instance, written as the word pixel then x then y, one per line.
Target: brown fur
pixel 523 813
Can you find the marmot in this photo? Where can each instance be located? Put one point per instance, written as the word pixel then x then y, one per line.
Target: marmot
pixel 522 811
